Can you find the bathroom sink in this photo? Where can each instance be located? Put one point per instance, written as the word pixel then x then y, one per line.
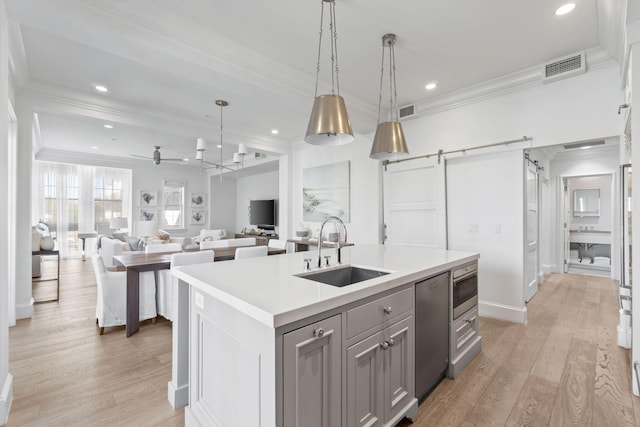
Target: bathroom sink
pixel 342 276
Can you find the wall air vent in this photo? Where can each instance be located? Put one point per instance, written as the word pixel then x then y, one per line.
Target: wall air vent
pixel 408 111
pixel 564 67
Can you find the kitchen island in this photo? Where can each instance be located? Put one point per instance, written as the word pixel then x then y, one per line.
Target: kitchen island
pixel 266 347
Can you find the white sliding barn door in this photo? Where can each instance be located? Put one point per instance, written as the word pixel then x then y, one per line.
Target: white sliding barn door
pixel 532 221
pixel 415 203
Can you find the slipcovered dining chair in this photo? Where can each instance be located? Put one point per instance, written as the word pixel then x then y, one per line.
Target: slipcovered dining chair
pixel 167 283
pixel 165 247
pixel 111 301
pixel 213 244
pixel 251 252
pixel 278 244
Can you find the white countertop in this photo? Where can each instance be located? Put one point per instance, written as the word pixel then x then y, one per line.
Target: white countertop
pixel 267 289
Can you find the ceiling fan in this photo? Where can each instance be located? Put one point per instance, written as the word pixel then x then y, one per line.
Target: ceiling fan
pixel 156 157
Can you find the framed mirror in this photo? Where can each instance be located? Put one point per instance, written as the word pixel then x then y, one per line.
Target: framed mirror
pixel 586 202
pixel 173 208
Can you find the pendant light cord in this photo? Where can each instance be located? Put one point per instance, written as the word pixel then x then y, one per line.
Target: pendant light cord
pixel 221 131
pixel 319 49
pixel 334 50
pixel 395 87
pixel 335 70
pixel 381 81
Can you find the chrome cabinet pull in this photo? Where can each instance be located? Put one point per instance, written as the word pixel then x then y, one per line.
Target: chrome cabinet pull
pixel 385 345
pixel 390 341
pixel 388 309
pixel 318 332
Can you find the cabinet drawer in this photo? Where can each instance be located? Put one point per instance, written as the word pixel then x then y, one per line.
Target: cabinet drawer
pixel 374 313
pixel 465 329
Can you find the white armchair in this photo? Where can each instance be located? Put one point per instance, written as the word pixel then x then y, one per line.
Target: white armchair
pixel 167 283
pixel 111 302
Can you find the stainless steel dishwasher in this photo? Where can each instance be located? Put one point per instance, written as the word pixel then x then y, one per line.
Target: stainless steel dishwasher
pixel 432 333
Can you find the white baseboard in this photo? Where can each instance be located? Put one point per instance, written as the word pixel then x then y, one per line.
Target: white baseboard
pixel 550 268
pixel 24 311
pixel 503 312
pixel 178 396
pixel 5 399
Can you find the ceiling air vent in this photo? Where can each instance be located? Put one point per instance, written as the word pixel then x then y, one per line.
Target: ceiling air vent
pixel 564 67
pixel 408 111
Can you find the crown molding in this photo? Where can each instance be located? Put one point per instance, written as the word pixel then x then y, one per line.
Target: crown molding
pixel 18 65
pixel 62 101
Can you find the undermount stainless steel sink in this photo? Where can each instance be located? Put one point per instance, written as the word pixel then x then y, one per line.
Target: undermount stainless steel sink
pixel 342 276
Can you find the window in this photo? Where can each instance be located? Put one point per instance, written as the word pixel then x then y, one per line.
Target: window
pixel 173 204
pixel 107 198
pixel 76 198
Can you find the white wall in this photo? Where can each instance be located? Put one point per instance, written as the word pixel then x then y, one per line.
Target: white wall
pixel 256 187
pixel 148 176
pixel 564 111
pixel 486 193
pixel 223 203
pixel 6 380
pixel 365 187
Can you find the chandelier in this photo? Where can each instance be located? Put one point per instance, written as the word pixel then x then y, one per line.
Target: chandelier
pixel 201 147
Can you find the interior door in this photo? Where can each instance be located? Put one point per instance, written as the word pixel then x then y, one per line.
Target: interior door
pixel 415 203
pixel 567 235
pixel 532 220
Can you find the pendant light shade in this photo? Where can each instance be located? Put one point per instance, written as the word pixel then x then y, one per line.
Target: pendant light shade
pixel 389 142
pixel 329 123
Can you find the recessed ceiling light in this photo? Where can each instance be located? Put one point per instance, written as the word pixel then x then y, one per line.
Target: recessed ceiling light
pixel 101 88
pixel 274 131
pixel 185 160
pixel 565 8
pixel 430 86
pixel 586 147
pixel 219 146
pixel 95 147
pixel 109 126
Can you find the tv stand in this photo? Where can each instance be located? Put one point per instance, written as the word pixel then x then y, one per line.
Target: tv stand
pixel 261 239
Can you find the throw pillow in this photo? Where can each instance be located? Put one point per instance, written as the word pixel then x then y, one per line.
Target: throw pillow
pixel 135 243
pixel 163 235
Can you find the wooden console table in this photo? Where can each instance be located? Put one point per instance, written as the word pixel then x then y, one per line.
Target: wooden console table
pixel 57 279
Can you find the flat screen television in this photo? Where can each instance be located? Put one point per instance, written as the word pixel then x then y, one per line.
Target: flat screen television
pixel 262 214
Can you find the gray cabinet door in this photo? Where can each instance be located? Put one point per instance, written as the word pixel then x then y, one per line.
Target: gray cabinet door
pixel 312 375
pixel 398 367
pixel 365 382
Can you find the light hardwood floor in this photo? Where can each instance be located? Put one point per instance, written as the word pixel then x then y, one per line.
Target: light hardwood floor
pixel 66 374
pixel 563 368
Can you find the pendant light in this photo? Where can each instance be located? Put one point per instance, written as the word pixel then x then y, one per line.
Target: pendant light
pixel 329 123
pixel 389 142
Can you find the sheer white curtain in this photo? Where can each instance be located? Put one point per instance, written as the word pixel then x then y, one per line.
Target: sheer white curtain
pixel 64 197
